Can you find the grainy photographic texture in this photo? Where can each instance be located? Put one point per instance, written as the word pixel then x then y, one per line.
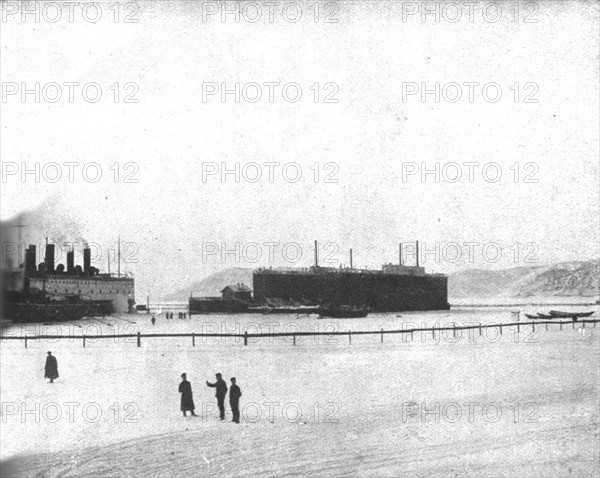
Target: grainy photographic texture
pixel 299 238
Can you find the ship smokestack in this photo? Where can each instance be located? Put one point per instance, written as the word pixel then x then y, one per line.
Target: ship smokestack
pixel 70 262
pixel 30 266
pixel 417 253
pixel 49 259
pixel 87 256
pixel 350 258
pixel 400 253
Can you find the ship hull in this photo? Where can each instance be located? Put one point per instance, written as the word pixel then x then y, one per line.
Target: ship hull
pixel 21 312
pixel 377 291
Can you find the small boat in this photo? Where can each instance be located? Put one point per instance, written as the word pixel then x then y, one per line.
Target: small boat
pixel 344 312
pixel 555 314
pixel 561 315
pixel 585 314
pixel 539 316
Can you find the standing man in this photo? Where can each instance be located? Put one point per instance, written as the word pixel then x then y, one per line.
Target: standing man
pixel 51 369
pixel 187 400
pixel 234 400
pixel 221 387
pixel 153 320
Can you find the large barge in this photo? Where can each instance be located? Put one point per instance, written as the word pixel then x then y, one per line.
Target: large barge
pixel 393 288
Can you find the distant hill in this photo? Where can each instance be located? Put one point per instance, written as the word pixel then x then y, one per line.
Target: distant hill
pixel 564 279
pixel 213 284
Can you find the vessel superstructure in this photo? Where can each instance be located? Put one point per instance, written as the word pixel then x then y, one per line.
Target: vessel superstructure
pixel 87 281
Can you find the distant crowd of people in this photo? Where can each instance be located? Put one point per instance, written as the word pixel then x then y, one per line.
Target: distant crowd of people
pixel 169 316
pixel 187 399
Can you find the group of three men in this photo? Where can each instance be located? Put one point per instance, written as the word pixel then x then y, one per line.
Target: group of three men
pixel 187 400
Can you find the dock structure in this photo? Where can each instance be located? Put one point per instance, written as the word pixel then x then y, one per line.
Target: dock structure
pixel 394 288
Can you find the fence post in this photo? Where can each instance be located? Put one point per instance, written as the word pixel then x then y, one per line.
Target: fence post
pixel 433 329
pixel 454 329
pixel 26 341
pixel 246 338
pixel 139 339
pixel 193 339
pixel 518 328
pixel 561 326
pixel 479 328
pixel 381 335
pixel 350 337
pixel 546 326
pixel 500 325
pixel 294 339
pixel 533 326
pixel 573 325
pixel 84 341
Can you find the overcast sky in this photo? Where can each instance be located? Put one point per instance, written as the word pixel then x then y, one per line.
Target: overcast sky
pixel 373 136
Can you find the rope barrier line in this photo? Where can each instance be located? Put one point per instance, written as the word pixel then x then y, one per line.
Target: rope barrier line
pixel 246 335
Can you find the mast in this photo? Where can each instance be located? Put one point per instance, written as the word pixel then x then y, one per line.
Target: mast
pixel 20 247
pixel 417 253
pixel 350 258
pixel 46 271
pixel 400 253
pixel 316 254
pixel 119 258
pixel 109 262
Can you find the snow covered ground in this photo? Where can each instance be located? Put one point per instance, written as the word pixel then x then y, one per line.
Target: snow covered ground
pixel 512 405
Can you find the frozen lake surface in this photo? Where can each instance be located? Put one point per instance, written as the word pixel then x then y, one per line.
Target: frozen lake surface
pixel 492 405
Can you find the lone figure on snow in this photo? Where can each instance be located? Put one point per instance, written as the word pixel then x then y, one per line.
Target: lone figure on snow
pixel 221 387
pixel 51 369
pixel 234 400
pixel 187 400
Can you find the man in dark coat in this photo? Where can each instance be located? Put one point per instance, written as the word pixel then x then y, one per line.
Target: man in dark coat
pixel 234 400
pixel 221 387
pixel 51 369
pixel 187 400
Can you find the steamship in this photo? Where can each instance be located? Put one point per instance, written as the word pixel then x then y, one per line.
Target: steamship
pixel 46 292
